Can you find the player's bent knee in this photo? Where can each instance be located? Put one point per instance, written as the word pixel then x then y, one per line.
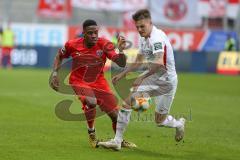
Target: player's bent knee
pixel 90 102
pixel 125 106
pixel 113 115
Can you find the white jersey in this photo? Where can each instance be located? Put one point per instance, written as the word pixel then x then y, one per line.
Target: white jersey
pixel 158 42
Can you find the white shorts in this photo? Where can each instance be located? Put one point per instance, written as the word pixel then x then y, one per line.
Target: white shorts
pixel 162 91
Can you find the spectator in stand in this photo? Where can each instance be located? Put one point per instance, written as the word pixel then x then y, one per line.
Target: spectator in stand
pixel 7 39
pixel 1 30
pixel 230 44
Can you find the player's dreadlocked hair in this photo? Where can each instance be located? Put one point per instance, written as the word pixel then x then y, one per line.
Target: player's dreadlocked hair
pixel 141 14
pixel 89 22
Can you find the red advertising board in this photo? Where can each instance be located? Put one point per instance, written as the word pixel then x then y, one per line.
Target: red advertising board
pixel 54 8
pixel 185 40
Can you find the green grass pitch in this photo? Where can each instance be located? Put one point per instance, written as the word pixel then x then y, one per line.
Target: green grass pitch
pixel 30 130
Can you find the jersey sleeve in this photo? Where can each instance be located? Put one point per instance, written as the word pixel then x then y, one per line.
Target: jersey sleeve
pixel 157 44
pixel 65 51
pixel 109 50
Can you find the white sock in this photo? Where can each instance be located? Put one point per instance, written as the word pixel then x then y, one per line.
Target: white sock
pixel 171 122
pixel 122 122
pixel 91 129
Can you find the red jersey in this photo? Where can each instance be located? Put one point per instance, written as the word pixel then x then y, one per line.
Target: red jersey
pixel 88 63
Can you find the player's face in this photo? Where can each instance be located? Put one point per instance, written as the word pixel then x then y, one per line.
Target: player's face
pixel 144 27
pixel 91 35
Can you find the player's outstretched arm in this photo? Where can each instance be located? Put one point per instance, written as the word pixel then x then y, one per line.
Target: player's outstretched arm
pixel 56 65
pixel 131 67
pixel 120 60
pixel 155 65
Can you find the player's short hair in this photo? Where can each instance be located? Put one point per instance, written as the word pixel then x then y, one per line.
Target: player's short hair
pixel 89 22
pixel 141 14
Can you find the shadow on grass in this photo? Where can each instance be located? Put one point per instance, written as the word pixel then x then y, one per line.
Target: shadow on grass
pixel 137 152
pixel 147 153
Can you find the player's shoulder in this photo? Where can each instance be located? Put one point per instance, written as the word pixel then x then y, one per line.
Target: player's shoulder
pixel 158 34
pixel 74 41
pixel 157 30
pixel 102 40
pixel 105 43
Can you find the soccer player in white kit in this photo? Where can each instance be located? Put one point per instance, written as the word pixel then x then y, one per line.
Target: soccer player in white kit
pixel 159 80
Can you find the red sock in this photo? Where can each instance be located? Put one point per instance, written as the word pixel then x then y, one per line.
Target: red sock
pixel 114 125
pixel 90 114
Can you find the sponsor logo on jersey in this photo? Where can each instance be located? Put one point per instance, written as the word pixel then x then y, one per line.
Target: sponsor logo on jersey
pixel 63 50
pixel 157 46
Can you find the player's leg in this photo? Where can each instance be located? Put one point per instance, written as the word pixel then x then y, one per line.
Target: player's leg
pixel 123 119
pixel 147 86
pixel 6 56
pixel 89 102
pixel 1 57
pixel 90 114
pixel 162 116
pixel 109 105
pixel 166 120
pixel 106 100
pixel 9 63
pixel 125 113
pixel 89 108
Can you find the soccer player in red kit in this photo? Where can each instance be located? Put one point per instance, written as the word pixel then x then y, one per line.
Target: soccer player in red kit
pixel 88 80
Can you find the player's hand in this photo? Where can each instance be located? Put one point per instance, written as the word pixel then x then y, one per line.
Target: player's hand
pixel 54 82
pixel 121 43
pixel 116 78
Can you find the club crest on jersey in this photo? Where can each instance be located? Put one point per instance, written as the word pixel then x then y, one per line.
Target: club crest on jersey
pixel 63 50
pixel 99 53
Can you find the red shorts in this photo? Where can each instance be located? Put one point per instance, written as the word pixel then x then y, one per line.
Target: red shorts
pixel 6 50
pixel 98 93
pixel 5 57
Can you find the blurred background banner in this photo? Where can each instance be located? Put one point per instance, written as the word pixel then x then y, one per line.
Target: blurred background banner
pixel 127 19
pixel 215 40
pixel 39 34
pixel 116 5
pixel 218 8
pixel 108 32
pixel 33 56
pixel 199 30
pixel 175 13
pixel 55 8
pixel 182 40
